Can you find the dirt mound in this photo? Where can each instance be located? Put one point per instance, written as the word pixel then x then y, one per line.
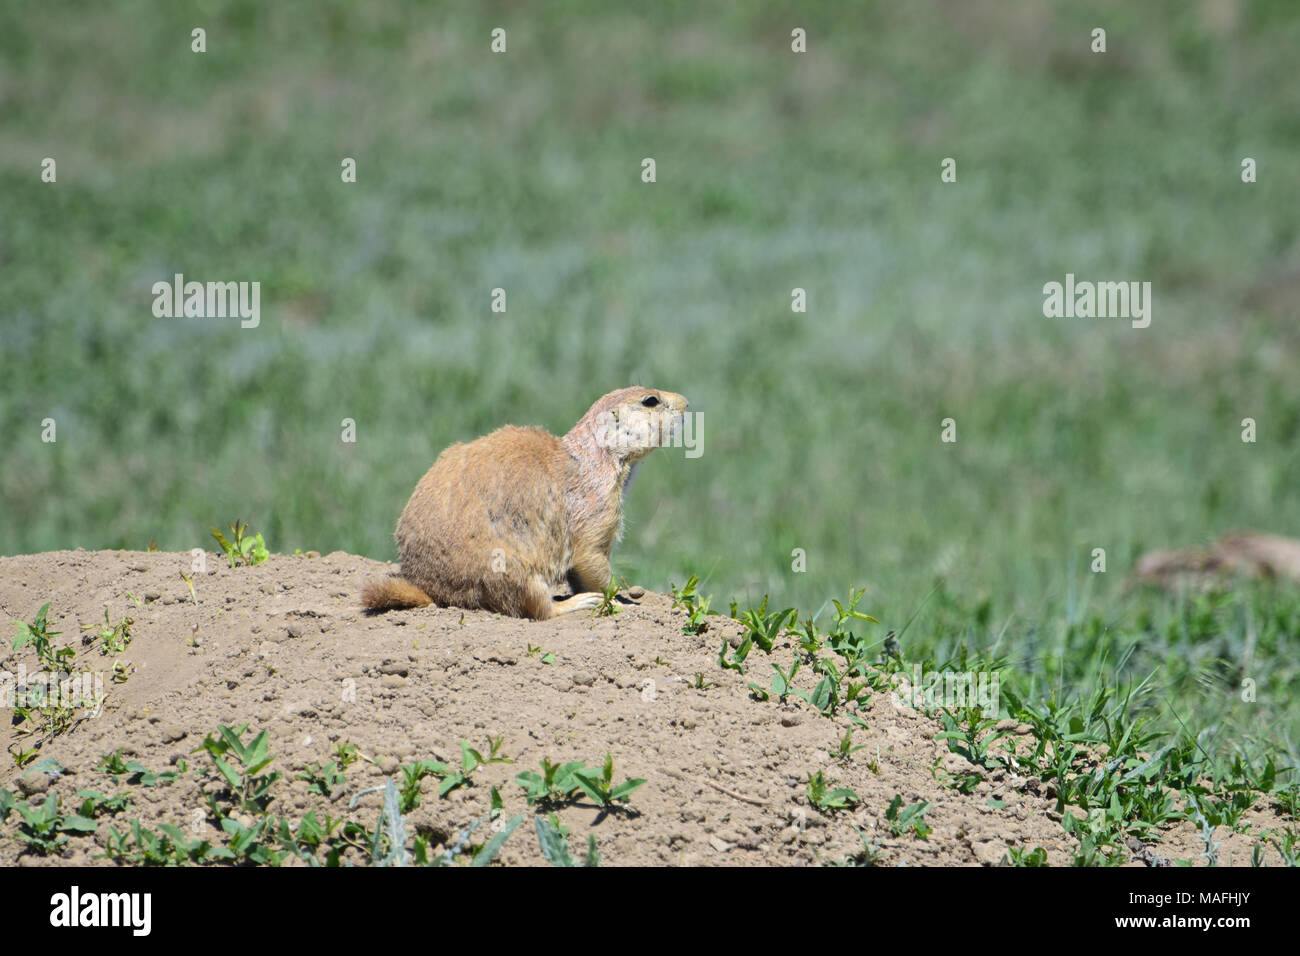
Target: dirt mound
pixel 285 647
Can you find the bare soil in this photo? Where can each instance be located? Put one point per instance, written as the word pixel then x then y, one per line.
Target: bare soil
pixel 285 647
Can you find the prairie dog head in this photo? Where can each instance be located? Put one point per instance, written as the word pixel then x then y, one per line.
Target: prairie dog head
pixel 632 422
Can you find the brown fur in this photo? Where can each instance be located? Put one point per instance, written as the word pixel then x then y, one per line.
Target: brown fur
pixel 1248 553
pixel 394 592
pixel 504 521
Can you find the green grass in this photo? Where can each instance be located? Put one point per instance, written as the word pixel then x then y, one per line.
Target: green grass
pixel 775 171
pixel 250 832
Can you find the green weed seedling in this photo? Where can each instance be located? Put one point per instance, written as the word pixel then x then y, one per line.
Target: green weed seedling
pixel 1287 800
pixel 470 760
pixel 688 599
pixel 855 692
pixel 911 818
pixel 807 639
pixel 601 787
pixel 47 714
pixel 113 638
pixel 763 628
pixel 840 636
pixel 1097 839
pixel 845 749
pixel 247 842
pixel 553 785
pixel 737 660
pixel 243 549
pixel 868 855
pixel 553 842
pixel 1286 842
pixel 547 657
pixel 310 838
pixel 194 597
pixel 841 639
pixel 966 783
pixel 249 787
pixel 1257 853
pixel 117 766
pixel 608 605
pixel 324 781
pixel 94 803
pixel 330 779
pixel 6 803
pixel 1090 853
pixel 44 829
pixel 835 688
pixel 696 618
pixel 140 846
pixel 825 799
pixel 683 596
pixel 558 783
pixel 41 637
pixel 783 681
pixel 39 826
pixel 413 773
pixel 825 696
pixel 971 738
pixel 1023 856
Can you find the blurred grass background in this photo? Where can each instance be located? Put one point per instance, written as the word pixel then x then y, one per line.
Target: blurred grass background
pixel 775 171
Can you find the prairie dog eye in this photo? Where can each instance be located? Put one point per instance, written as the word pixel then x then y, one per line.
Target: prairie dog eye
pixel 650 401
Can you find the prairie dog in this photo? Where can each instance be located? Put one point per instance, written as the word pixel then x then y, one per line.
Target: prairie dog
pixel 504 521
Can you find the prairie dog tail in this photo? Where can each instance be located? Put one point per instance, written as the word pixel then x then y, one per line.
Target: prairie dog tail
pixel 393 593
